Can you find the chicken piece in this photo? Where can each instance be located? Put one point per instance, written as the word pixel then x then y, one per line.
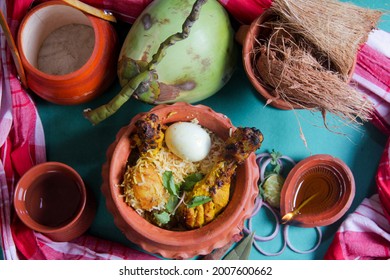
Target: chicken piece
pixel 144 188
pixel 242 143
pixel 216 184
pixel 150 136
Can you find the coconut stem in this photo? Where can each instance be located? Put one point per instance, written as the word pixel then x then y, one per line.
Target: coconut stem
pixel 171 40
pixel 103 112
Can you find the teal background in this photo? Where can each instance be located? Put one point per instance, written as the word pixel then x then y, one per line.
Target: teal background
pixel 73 140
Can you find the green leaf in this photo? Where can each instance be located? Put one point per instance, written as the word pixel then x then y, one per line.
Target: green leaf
pixel 274 161
pixel 166 178
pixel 242 250
pixel 275 156
pixel 190 181
pixel 172 203
pixel 198 200
pixel 163 217
pixel 168 182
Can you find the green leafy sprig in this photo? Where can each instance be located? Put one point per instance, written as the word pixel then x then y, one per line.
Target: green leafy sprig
pixel 177 193
pixel 274 161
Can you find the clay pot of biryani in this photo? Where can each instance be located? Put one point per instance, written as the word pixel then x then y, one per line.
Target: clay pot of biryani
pixel 180 180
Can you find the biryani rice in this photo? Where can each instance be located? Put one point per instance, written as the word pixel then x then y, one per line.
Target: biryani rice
pixel 164 161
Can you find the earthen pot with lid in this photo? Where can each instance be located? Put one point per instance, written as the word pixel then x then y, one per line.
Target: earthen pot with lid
pixel 189 243
pixel 84 83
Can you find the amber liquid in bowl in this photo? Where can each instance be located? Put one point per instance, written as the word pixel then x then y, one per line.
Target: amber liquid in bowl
pixel 53 199
pixel 320 188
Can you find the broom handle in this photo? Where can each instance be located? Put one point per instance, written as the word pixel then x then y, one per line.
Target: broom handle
pixel 14 50
pixel 90 10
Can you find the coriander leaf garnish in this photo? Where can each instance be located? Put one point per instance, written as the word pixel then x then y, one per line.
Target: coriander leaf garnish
pixel 190 181
pixel 163 217
pixel 198 200
pixel 274 161
pixel 169 183
pixel 171 204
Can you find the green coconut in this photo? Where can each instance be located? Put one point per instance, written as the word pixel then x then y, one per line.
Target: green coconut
pixel 177 50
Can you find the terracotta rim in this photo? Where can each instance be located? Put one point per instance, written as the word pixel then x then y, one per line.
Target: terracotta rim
pixel 23 185
pixel 185 244
pixel 87 81
pixel 58 78
pixel 333 213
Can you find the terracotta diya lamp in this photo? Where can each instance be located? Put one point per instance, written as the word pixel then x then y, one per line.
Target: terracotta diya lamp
pixel 82 84
pixel 189 243
pixel 51 198
pixel 318 191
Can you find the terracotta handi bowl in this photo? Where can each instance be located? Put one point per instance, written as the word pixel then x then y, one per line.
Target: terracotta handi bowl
pixel 322 186
pixel 86 82
pixel 250 41
pixel 189 243
pixel 51 198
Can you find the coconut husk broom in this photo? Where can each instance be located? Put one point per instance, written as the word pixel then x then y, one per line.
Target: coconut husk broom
pixel 300 80
pixel 309 55
pixel 337 29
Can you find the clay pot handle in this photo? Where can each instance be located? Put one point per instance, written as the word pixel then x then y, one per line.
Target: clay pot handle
pixel 241 34
pixel 14 50
pixel 90 10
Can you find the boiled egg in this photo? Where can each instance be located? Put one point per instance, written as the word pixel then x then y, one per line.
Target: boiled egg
pixel 188 140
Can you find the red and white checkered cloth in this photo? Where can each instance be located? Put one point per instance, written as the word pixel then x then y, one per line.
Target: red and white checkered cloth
pixel 365 234
pixel 22 145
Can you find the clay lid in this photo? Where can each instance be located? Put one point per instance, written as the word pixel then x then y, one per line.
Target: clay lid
pixel 183 244
pixel 322 186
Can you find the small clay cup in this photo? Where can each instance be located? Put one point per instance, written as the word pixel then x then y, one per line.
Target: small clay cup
pixel 329 204
pixel 85 83
pixel 189 243
pixel 248 36
pixel 51 198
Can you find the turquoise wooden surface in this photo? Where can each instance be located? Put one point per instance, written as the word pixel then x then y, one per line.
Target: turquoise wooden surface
pixel 73 140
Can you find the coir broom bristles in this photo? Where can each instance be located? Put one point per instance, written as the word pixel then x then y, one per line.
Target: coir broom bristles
pixel 335 28
pixel 299 79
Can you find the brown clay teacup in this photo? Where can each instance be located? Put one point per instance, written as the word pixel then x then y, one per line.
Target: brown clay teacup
pixel 51 198
pixel 82 83
pixel 188 243
pixel 318 191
